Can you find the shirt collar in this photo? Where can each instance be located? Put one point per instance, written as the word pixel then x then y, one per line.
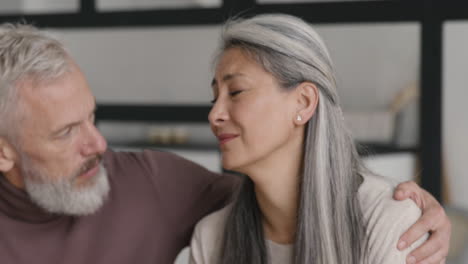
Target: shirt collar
pixel 15 203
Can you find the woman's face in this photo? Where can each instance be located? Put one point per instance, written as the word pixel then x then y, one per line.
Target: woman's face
pixel 252 116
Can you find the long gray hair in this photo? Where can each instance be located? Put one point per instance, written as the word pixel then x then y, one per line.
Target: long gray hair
pixel 330 227
pixel 26 53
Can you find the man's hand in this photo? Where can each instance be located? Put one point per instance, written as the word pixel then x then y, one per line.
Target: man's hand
pixel 433 221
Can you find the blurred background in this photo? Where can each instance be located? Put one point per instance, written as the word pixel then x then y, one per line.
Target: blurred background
pixel 402 74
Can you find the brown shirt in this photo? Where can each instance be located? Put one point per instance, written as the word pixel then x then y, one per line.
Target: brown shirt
pixel 155 200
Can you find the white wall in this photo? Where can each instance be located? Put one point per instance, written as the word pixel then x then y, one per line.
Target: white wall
pixel 147 4
pixel 455 121
pixel 10 6
pixel 49 6
pixel 146 65
pixel 172 64
pixel 373 61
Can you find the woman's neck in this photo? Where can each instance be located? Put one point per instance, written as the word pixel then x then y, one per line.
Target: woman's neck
pixel 277 192
pixel 279 211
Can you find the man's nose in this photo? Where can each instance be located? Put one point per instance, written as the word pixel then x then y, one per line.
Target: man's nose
pixel 94 143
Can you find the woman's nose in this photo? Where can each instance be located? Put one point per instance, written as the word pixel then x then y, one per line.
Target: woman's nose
pixel 218 113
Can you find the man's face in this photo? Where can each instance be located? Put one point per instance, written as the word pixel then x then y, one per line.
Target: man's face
pixel 60 149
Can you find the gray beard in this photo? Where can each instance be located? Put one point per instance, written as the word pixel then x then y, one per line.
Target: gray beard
pixel 62 196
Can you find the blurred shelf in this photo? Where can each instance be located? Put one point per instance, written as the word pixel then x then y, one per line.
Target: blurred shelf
pixel 368 149
pixel 146 145
pixel 319 12
pixel 323 12
pixel 364 149
pixel 153 113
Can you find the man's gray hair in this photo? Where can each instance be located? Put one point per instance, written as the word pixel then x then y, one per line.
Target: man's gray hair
pixel 26 54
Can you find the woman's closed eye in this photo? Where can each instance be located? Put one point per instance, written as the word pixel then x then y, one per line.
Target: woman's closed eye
pixel 234 93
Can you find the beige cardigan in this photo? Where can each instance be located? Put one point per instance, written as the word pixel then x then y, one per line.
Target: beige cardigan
pixel 386 220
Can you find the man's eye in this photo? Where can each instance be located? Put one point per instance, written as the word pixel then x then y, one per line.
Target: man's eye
pixel 64 133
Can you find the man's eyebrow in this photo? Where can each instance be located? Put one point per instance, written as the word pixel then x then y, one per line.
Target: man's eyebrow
pixel 226 77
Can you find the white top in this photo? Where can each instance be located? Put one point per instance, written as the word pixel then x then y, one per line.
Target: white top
pixel 386 221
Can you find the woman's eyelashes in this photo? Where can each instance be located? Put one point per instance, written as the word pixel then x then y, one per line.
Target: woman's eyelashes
pixel 234 93
pixel 231 94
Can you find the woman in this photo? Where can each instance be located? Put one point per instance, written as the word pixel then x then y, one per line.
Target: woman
pixel 307 197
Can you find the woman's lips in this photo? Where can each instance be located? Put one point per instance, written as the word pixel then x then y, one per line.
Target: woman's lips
pixel 224 138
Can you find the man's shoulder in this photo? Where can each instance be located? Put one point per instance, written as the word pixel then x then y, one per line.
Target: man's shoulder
pixel 144 159
pixel 144 154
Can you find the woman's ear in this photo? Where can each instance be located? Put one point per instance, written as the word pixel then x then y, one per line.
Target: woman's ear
pixel 7 155
pixel 307 96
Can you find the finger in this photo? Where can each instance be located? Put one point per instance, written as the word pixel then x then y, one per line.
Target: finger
pixel 438 257
pixel 432 219
pixel 400 195
pixel 403 190
pixel 424 225
pixel 413 191
pixel 431 250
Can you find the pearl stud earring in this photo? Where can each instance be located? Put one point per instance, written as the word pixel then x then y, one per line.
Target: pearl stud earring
pixel 299 118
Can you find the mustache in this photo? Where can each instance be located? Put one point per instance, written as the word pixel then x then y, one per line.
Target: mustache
pixel 89 164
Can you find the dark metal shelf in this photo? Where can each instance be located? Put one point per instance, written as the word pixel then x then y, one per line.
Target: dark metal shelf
pixel 138 18
pixel 329 12
pixel 370 149
pixel 156 113
pixel 325 12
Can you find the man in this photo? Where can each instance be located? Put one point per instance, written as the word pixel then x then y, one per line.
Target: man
pixel 64 198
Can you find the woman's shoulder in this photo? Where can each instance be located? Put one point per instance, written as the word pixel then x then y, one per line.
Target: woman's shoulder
pixel 386 219
pixel 214 222
pixel 207 237
pixel 376 199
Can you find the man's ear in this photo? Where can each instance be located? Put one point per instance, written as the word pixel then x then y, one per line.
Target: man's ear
pixel 7 155
pixel 307 96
